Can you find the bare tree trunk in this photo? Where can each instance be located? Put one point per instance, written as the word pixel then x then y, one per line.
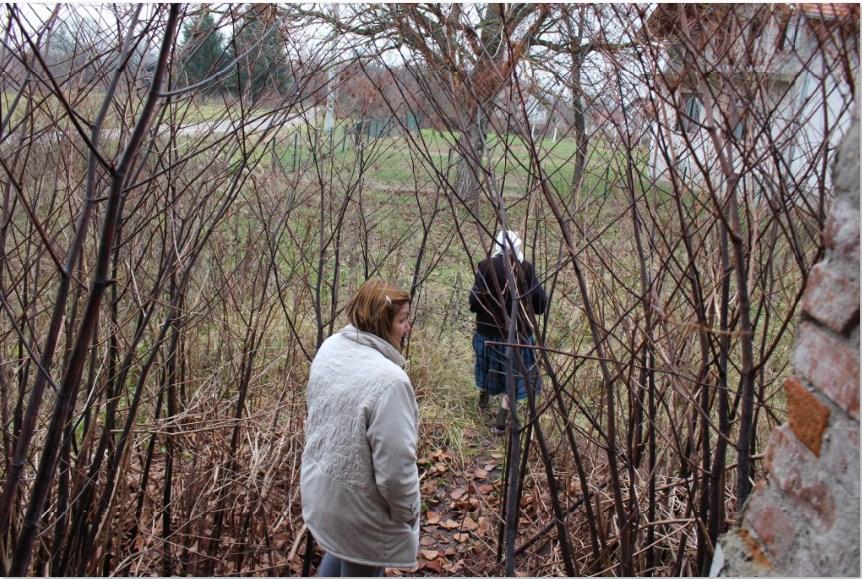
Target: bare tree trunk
pixel 470 168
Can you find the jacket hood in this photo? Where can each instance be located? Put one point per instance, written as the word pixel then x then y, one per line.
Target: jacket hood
pixel 374 341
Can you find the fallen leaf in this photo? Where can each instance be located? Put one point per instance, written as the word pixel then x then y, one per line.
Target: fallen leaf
pixel 489 467
pixel 485 489
pixel 461 537
pixel 469 524
pixel 429 554
pixel 454 569
pixel 435 566
pixel 458 493
pixel 497 455
pixel 470 505
pixel 426 541
pixel 450 524
pixel 440 454
pixel 429 487
pixel 432 517
pixel 480 474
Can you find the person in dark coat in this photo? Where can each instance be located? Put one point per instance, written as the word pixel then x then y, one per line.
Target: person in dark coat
pixel 491 296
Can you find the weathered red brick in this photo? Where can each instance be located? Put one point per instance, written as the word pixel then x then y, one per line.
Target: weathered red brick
pixel 832 295
pixel 755 551
pixel 786 458
pixel 808 417
pixel 772 525
pixel 830 364
pixel 842 228
pixel 818 500
pixel 792 470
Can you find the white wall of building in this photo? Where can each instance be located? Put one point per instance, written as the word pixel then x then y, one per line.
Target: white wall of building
pixel 809 104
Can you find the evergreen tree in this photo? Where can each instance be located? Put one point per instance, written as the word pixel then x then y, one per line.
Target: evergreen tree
pixel 204 51
pixel 265 69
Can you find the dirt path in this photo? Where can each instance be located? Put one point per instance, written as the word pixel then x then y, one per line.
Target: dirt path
pixel 459 528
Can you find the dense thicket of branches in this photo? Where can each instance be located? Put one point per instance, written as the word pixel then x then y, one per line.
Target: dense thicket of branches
pixel 179 232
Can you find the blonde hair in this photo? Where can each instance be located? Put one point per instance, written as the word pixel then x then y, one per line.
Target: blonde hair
pixel 374 307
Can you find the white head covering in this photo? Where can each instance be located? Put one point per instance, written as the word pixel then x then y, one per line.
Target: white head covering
pixel 502 241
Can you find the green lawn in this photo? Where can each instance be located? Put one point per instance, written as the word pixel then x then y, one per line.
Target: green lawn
pixel 421 159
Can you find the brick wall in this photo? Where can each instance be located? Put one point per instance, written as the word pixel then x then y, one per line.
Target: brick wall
pixel 804 519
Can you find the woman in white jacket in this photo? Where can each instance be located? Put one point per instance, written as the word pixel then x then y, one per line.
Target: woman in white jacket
pixel 359 481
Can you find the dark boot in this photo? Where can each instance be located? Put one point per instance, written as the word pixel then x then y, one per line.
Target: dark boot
pixel 483 401
pixel 500 421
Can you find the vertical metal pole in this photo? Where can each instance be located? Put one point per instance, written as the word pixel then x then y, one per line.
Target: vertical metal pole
pixel 329 120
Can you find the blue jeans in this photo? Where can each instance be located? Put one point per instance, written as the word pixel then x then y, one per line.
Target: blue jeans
pixel 491 366
pixel 332 566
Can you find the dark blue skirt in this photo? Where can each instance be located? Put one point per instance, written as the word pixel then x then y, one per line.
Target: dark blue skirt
pixel 491 366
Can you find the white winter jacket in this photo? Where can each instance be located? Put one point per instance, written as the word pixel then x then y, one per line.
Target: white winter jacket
pixel 359 481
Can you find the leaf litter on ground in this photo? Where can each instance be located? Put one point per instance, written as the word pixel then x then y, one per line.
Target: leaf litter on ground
pixel 461 494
